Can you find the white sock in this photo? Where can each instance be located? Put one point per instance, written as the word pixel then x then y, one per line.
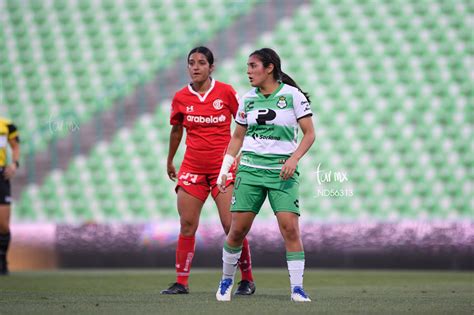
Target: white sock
pixel 229 262
pixel 296 270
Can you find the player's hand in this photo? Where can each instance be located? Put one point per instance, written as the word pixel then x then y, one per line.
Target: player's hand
pixel 221 184
pixel 10 171
pixel 171 170
pixel 288 168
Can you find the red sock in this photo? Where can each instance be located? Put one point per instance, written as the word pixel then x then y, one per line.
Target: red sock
pixel 184 257
pixel 245 262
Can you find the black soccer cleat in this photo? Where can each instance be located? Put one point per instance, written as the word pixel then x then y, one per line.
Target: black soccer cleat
pixel 245 288
pixel 176 288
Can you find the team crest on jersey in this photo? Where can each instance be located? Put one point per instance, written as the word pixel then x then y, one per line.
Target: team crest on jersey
pixel 282 102
pixel 218 104
pixel 190 109
pixel 242 115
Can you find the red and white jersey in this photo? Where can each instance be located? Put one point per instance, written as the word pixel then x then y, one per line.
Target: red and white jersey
pixel 207 119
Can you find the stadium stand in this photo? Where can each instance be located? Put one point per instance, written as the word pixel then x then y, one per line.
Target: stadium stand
pixel 71 59
pixel 392 95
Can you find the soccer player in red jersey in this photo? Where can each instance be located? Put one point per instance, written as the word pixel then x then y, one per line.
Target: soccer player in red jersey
pixel 205 108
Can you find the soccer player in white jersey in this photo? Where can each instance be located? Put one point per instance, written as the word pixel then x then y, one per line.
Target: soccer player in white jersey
pixel 267 131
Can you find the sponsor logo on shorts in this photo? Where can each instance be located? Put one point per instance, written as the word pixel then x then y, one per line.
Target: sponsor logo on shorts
pixel 232 201
pixel 206 120
pixel 297 203
pixel 218 104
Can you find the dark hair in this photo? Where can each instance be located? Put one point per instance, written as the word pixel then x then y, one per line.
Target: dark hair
pixel 205 51
pixel 268 56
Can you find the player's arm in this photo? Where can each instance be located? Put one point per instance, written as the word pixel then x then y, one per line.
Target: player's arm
pixel 14 142
pixel 232 150
pixel 306 125
pixel 176 135
pixel 234 107
pixel 237 140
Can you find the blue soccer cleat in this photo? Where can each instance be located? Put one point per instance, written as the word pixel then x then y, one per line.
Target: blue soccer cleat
pixel 298 295
pixel 225 289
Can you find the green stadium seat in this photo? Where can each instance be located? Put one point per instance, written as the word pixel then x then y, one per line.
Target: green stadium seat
pixel 74 50
pixel 391 79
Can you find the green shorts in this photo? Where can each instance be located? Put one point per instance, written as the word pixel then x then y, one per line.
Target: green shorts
pixel 253 184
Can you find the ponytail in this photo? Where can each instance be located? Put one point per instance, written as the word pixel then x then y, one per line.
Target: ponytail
pixel 285 78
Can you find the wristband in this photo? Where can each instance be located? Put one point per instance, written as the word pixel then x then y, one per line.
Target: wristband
pixel 226 164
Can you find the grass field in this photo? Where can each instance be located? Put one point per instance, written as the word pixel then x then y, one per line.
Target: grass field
pixel 333 292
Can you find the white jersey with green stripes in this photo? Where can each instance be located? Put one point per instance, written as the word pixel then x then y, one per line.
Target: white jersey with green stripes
pixel 272 125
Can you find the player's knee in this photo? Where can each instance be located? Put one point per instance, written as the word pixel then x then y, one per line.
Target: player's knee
pixel 188 228
pixel 237 234
pixel 290 232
